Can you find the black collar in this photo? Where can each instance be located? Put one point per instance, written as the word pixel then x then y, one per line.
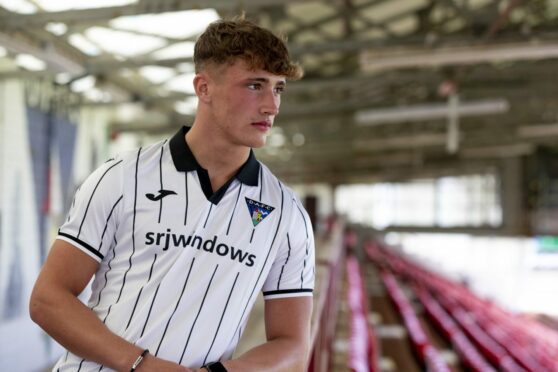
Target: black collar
pixel 184 160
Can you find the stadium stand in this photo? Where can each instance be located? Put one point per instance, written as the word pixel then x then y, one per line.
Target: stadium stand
pixel 485 336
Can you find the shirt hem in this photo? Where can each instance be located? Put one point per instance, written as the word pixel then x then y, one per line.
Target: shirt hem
pixel 300 292
pixel 86 248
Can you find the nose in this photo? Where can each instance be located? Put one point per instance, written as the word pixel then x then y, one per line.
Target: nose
pixel 270 104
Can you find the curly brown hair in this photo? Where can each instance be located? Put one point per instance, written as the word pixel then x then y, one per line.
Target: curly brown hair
pixel 226 41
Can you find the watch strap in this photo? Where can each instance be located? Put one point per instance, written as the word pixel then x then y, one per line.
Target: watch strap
pixel 215 367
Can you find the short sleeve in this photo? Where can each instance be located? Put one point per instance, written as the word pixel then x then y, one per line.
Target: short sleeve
pixel 293 271
pixel 93 216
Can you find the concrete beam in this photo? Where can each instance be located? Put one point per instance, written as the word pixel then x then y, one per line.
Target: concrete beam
pixel 70 17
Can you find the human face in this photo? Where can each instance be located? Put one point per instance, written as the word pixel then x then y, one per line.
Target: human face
pixel 244 103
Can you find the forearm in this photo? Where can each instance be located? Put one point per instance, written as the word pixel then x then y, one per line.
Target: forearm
pixel 55 307
pixel 78 329
pixel 281 354
pixel 287 324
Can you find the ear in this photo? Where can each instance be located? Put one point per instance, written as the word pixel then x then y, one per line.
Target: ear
pixel 201 87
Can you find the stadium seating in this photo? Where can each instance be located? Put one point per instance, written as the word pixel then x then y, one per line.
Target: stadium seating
pixel 485 336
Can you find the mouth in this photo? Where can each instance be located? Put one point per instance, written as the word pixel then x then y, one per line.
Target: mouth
pixel 262 125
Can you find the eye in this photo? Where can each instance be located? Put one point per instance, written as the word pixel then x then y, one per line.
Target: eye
pixel 279 89
pixel 255 86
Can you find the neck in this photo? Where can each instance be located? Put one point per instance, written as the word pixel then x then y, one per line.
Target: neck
pixel 221 159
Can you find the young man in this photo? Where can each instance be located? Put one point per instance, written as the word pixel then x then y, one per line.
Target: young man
pixel 181 236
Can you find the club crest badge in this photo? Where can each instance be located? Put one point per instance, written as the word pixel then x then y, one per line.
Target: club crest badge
pixel 258 211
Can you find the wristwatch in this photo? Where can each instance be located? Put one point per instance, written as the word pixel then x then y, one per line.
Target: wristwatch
pixel 215 367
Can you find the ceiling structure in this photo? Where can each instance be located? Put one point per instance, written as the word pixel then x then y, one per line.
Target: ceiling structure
pixel 394 89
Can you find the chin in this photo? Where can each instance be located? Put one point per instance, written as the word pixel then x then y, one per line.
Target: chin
pixel 256 143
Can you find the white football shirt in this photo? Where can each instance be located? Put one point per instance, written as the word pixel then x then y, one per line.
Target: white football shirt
pixel 181 266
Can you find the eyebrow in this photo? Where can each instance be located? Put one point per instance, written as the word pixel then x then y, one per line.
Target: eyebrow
pixel 266 80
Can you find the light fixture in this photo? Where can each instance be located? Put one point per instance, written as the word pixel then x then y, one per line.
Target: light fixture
pixel 395 58
pixel 429 112
pixel 57 28
pixel 29 62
